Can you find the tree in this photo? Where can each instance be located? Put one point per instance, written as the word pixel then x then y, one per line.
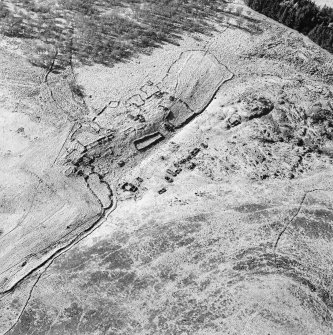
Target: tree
pixel 302 15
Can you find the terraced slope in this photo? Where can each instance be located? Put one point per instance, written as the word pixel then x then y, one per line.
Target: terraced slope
pixel 186 192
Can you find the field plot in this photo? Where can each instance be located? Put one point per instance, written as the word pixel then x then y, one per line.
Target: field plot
pixel 192 82
pixel 40 208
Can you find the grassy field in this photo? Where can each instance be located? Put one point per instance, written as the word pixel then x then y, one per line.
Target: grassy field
pixel 108 31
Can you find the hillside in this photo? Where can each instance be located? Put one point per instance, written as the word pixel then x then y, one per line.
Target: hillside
pixel 185 189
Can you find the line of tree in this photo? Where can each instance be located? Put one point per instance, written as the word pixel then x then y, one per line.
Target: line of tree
pixel 302 15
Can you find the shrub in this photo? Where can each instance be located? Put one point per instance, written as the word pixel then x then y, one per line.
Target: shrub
pixel 77 89
pixel 322 116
